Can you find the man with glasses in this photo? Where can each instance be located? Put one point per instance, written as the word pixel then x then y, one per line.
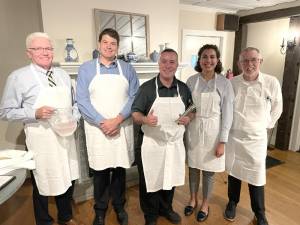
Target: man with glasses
pixel 31 95
pixel 257 107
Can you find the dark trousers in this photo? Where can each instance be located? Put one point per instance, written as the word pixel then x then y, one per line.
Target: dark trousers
pixel 109 182
pixel 40 205
pixel 257 195
pixel 156 203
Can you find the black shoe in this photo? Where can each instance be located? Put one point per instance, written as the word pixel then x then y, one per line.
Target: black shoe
pixel 262 220
pixel 172 216
pixel 202 216
pixel 99 220
pixel 122 217
pixel 150 222
pixel 229 213
pixel 188 210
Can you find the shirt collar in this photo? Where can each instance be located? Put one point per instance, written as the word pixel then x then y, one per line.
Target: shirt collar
pixel 112 65
pixel 40 69
pixel 160 85
pixel 260 79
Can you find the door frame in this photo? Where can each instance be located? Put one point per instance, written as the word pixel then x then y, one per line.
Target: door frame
pixel 205 33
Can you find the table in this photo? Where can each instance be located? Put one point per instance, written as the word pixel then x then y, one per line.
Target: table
pixel 13 186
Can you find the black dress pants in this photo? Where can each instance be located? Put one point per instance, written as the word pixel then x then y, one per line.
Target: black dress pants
pixel 257 195
pixel 40 205
pixel 156 203
pixel 109 182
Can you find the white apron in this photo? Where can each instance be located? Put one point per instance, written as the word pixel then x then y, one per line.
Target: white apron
pixel 247 144
pixel 55 157
pixel 203 132
pixel 163 152
pixel 109 94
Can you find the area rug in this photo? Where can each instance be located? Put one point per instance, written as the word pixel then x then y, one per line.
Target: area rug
pixel 271 162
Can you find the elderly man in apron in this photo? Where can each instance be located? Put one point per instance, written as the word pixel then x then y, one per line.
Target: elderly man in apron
pixel 106 88
pixel 257 107
pixel 160 150
pixel 31 95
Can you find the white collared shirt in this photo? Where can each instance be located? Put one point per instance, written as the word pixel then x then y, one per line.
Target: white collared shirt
pixel 264 83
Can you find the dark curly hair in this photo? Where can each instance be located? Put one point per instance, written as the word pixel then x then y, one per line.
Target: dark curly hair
pixel 218 68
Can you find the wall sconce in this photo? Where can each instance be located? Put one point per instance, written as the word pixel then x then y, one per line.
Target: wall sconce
pixel 288 44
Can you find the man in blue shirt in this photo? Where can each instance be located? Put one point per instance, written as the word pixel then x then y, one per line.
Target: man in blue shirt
pixel 106 88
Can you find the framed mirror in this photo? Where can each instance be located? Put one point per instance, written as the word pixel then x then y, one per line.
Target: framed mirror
pixel 132 28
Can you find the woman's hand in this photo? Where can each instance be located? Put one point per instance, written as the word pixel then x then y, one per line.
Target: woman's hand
pixel 220 149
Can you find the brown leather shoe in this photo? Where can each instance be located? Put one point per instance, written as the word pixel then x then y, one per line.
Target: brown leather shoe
pixel 71 222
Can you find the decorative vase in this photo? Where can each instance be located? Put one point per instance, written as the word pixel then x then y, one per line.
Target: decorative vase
pixel 71 54
pixel 131 57
pixel 161 47
pixel 95 54
pixel 154 56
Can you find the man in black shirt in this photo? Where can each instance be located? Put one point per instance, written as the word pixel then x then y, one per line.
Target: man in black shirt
pixel 160 151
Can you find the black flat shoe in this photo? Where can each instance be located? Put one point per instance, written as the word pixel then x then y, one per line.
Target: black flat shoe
pixel 188 210
pixel 202 216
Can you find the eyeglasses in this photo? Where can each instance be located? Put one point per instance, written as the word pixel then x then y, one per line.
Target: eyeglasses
pixel 247 61
pixel 40 50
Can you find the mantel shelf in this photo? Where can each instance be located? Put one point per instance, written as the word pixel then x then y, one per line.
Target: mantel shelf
pixel 141 68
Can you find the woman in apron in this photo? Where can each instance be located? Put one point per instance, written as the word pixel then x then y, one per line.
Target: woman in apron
pixel 207 134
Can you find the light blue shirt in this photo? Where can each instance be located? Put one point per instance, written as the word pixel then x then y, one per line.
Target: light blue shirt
pixel 21 91
pixel 86 74
pixel 225 90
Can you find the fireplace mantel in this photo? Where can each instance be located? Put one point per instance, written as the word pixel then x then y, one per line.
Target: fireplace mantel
pixel 145 70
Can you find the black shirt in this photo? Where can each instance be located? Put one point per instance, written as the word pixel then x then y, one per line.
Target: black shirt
pixel 146 95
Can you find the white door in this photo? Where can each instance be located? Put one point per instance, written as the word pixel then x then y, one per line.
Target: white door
pixel 192 41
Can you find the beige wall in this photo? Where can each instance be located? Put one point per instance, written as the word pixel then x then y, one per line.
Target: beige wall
pixel 17 20
pixel 267 36
pixel 205 20
pixel 68 18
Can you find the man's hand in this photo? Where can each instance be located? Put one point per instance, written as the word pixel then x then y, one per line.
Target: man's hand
pixel 220 149
pixel 184 120
pixel 150 119
pixel 111 127
pixel 45 112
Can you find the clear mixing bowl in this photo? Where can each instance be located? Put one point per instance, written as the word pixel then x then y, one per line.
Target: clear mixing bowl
pixel 63 122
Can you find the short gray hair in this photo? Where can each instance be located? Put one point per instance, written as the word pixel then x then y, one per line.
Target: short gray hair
pixel 35 35
pixel 248 49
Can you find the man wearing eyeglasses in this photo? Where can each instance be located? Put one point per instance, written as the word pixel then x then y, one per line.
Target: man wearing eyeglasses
pixel 257 107
pixel 31 95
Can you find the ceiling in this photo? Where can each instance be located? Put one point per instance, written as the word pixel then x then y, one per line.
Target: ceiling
pixel 233 5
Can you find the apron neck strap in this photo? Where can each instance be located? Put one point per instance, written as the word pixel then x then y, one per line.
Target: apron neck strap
pixel 156 88
pixel 215 82
pixel 98 67
pixel 36 75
